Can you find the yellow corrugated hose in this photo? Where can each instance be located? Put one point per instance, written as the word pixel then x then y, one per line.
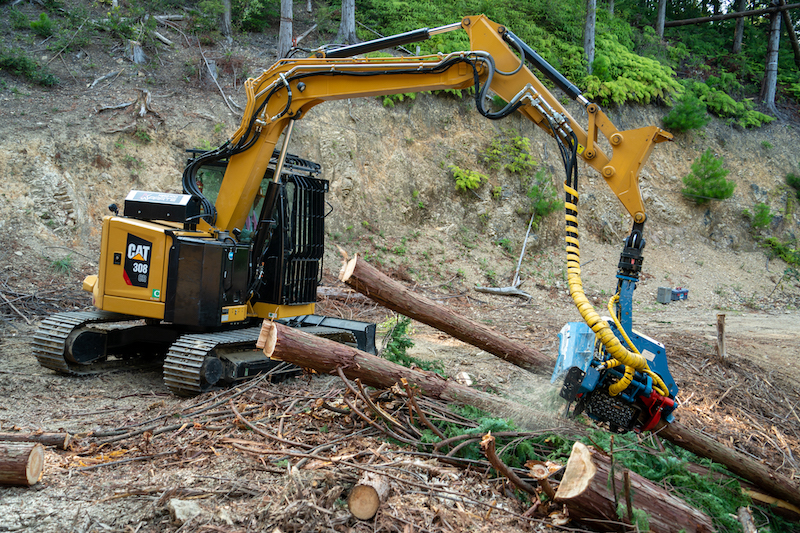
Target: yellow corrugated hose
pixel 632 361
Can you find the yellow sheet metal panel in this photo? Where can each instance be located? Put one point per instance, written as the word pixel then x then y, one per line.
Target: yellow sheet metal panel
pixel 137 308
pixel 234 313
pixel 264 310
pixel 136 261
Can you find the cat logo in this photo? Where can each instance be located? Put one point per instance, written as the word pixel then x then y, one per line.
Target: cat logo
pixel 137 261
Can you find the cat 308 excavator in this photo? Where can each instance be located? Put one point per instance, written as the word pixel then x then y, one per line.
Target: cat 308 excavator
pixel 191 276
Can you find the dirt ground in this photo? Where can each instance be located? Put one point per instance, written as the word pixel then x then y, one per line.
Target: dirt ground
pixel 63 161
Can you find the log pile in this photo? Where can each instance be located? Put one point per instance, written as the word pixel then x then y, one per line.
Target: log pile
pixel 367 280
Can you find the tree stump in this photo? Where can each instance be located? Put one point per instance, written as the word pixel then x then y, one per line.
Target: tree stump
pixel 367 496
pixel 587 490
pixel 21 463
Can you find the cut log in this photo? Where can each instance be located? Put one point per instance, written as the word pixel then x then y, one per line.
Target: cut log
pixel 586 490
pixel 393 295
pixel 325 356
pixel 367 496
pixel 21 463
pixel 758 474
pixel 59 440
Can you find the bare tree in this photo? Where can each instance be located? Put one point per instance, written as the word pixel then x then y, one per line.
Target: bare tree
pixel 347 28
pixel 285 33
pixel 589 30
pixel 787 21
pixel 739 35
pixel 771 69
pixel 226 19
pixel 662 12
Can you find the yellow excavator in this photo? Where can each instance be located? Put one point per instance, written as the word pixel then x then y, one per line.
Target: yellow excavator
pixel 191 276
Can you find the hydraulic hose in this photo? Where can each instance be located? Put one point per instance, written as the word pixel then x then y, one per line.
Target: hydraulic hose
pixel 631 360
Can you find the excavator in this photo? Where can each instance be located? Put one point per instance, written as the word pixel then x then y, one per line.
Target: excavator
pixel 191 276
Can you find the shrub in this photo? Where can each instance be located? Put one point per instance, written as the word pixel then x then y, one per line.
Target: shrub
pixel 724 106
pixel 18 63
pixel 467 179
pixel 544 198
pixel 511 152
pixel 42 27
pixel 707 180
pixel 760 217
pixel 689 113
pixel 793 180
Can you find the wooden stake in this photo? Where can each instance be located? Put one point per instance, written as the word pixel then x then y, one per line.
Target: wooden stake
pixel 721 354
pixel 21 463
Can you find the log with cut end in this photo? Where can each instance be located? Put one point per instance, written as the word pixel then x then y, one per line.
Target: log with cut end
pixel 369 281
pixel 21 463
pixel 586 490
pixel 325 356
pixel 367 496
pixel 59 440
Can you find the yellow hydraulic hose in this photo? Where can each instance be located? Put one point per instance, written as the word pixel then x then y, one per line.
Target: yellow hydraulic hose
pixel 632 361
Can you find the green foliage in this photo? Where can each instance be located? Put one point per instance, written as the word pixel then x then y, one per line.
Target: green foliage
pixel 207 17
pixel 619 75
pixel 511 152
pixel 389 100
pixel 18 63
pixel 793 180
pixel 254 15
pixel 42 27
pixel 399 341
pixel 707 179
pixel 640 518
pixel 689 113
pixel 723 105
pixel 760 217
pixel 467 179
pixel 62 266
pixel 720 498
pixel 18 19
pixel 543 196
pixel 786 250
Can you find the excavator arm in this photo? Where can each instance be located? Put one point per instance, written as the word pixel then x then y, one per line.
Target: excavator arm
pixel 291 87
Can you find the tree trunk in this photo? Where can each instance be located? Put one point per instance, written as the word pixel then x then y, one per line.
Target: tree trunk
pixel 21 463
pixel 226 19
pixel 347 27
pixel 726 16
pixel 59 440
pixel 588 492
pixel 611 8
pixel 757 473
pixel 771 68
pixel 367 496
pixel 588 31
pixel 739 35
pixel 292 345
pixel 367 280
pixel 660 18
pixel 787 21
pixel 285 33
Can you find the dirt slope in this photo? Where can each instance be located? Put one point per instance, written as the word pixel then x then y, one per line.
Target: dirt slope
pixel 393 200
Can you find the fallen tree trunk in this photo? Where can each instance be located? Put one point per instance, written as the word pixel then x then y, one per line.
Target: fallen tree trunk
pixel 367 496
pixel 369 281
pixel 59 440
pixel 21 463
pixel 325 356
pixel 588 492
pixel 391 294
pixel 759 474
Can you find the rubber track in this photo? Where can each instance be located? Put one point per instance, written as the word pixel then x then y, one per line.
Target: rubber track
pixel 186 355
pixel 49 341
